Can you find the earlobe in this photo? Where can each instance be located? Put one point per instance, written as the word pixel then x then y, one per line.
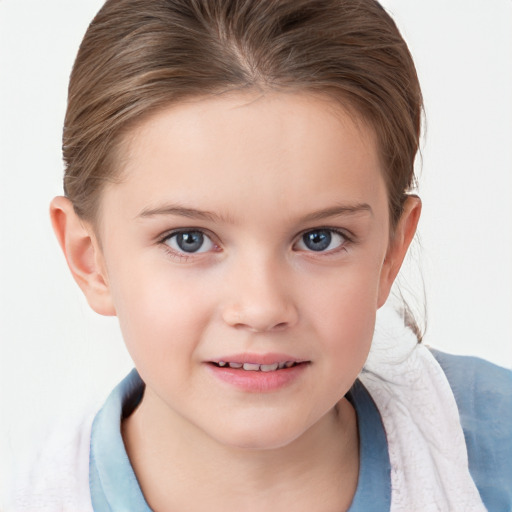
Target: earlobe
pixel 400 242
pixel 83 255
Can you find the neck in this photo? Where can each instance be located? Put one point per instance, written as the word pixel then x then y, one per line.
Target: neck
pixel 185 469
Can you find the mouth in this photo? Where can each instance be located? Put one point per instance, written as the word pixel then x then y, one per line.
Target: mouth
pixel 255 367
pixel 258 373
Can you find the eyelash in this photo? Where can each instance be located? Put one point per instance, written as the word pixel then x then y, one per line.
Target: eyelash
pixel 184 256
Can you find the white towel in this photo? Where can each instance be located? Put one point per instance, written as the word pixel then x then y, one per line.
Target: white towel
pixel 427 450
pixel 54 476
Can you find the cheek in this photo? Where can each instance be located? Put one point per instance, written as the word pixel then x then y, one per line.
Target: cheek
pixel 349 329
pixel 344 312
pixel 160 314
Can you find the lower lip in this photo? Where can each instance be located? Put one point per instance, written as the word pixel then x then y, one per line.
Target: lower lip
pixel 258 381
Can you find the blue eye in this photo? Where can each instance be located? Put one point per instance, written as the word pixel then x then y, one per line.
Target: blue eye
pixel 320 240
pixel 189 242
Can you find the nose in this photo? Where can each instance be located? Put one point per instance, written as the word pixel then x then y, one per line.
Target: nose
pixel 260 298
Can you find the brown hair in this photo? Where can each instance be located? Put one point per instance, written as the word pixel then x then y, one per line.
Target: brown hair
pixel 140 55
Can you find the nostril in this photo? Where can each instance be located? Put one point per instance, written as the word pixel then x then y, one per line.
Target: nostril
pixel 260 315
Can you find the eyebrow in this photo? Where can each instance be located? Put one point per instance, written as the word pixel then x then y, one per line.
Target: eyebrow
pixel 337 211
pixel 193 213
pixel 180 211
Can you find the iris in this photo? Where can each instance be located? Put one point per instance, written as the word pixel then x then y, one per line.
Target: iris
pixel 317 240
pixel 190 241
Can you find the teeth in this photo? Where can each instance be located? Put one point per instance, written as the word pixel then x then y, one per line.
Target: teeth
pixel 253 367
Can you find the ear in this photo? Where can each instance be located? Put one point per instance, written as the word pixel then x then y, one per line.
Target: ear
pixel 83 255
pixel 398 245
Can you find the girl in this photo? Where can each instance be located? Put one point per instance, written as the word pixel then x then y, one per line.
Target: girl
pixel 237 184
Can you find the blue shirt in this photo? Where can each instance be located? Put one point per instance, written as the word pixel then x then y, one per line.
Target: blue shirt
pixel 483 392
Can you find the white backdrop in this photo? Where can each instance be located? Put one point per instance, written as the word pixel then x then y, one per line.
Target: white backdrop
pixel 55 354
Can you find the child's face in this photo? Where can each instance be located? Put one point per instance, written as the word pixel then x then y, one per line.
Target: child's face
pixel 248 229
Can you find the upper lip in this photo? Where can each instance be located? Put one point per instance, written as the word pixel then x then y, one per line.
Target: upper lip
pixel 265 359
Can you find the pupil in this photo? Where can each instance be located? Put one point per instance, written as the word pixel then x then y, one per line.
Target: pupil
pixel 190 241
pixel 317 240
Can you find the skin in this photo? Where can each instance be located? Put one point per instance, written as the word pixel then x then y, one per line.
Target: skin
pixel 267 169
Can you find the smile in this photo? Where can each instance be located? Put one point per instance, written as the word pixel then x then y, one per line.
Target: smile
pixel 253 367
pixel 271 373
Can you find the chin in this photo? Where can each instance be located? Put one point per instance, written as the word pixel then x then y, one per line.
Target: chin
pixel 259 443
pixel 260 436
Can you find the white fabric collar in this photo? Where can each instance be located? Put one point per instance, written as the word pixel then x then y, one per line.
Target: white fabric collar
pixel 427 450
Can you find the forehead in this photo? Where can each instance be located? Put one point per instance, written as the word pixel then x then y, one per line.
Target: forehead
pixel 233 151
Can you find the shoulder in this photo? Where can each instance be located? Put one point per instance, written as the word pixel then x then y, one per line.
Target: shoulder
pixel 53 473
pixel 483 392
pixel 479 387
